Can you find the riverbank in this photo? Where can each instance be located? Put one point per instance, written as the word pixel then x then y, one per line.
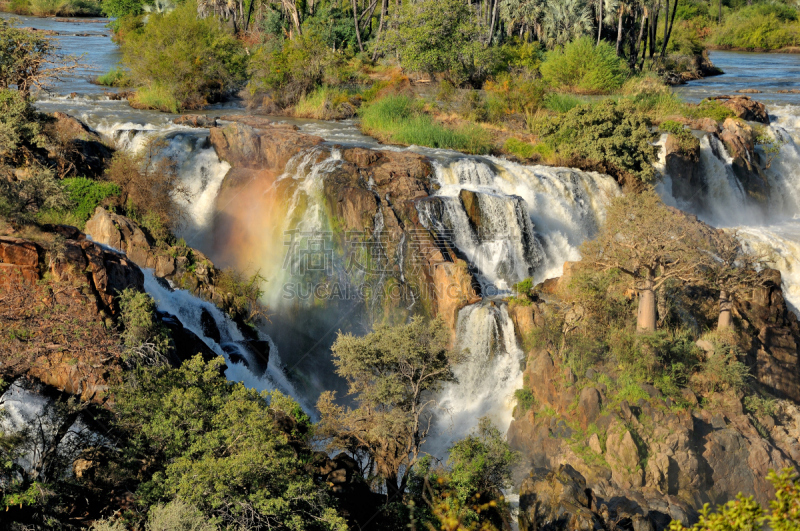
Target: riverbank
pixel 53 8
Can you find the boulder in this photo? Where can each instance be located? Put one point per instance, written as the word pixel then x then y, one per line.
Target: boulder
pixel 556 499
pixel 589 405
pixel 681 164
pixel 745 108
pixel 195 120
pixel 79 149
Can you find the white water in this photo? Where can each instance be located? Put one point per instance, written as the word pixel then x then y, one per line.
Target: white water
pixel 189 309
pixel 486 383
pixel 563 206
pixel 772 230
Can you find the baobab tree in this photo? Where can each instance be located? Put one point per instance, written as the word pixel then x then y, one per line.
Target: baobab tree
pixel 650 243
pixel 731 270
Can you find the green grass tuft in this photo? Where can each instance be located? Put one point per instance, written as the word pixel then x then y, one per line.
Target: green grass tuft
pixel 400 120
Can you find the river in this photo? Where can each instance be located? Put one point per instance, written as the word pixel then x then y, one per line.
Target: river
pixel 538 218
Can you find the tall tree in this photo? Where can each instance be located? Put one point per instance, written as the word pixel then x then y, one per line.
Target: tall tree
pixel 393 375
pixel 650 243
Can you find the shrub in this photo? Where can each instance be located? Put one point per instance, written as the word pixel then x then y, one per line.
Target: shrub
pixel 525 401
pixel 116 77
pixel 765 26
pixel 219 446
pixel 20 126
pixel 561 103
pixel 584 67
pixel 194 61
pixel 326 103
pixel 686 140
pixel 150 188
pixel 21 201
pixel 609 134
pixel 521 149
pixel 86 195
pixel 177 515
pixel 144 336
pixel 401 120
pixel 512 94
pixel 291 69
pixel 121 8
pixel 440 36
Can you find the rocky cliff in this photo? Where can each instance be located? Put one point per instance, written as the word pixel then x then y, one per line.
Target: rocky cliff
pixel 595 461
pixel 367 194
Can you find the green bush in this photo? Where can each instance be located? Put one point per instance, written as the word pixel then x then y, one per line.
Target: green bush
pixel 401 120
pixel 584 67
pixel 521 149
pixel 525 400
pixel 121 8
pixel 222 448
pixel 116 77
pixel 186 60
pixel 144 336
pixel 434 36
pixel 686 140
pixel 609 134
pixel 20 126
pixel 86 195
pixel 509 94
pixel 561 103
pixel 767 26
pixel 288 70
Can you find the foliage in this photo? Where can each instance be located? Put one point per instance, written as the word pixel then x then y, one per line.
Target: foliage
pixel 761 26
pixel 21 201
pixel 326 103
pixel 241 295
pixel 20 126
pixel 686 140
pixel 582 66
pixel 122 8
pixel 116 77
pixel 58 8
pixel 87 194
pixel 525 400
pixel 466 494
pixel 216 445
pixel 291 69
pixel 400 119
pixel 513 94
pixel 606 133
pixel 521 149
pixel 760 405
pixel 565 22
pixel 28 59
pixel 561 103
pixel 177 515
pixel 145 337
pixel 393 374
pixel 150 188
pixel 745 514
pixel 193 60
pixel 440 36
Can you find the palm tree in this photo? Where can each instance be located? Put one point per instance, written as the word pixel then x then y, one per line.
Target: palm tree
pixel 564 21
pixel 522 16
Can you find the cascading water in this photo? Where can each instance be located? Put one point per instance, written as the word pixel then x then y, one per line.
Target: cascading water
pixel 231 344
pixel 773 231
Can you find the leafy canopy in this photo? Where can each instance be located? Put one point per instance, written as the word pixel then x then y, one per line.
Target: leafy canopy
pixel 216 445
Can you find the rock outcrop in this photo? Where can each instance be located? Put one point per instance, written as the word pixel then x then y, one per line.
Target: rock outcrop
pixel 599 460
pixel 745 108
pixel 369 192
pixel 76 149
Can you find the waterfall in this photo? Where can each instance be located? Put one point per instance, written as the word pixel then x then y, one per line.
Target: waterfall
pixel 532 218
pixel 723 203
pixel 486 380
pixel 241 361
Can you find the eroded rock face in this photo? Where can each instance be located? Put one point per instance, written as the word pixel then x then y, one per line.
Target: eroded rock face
pixel 79 150
pixel 364 185
pixel 683 168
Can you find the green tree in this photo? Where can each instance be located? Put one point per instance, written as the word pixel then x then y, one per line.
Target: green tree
pixel 20 126
pixel 745 514
pixel 441 36
pixel 393 374
pixel 465 494
pixel 216 445
pixel 28 59
pixel 565 21
pixel 651 244
pixel 183 62
pixel 583 66
pixel 609 134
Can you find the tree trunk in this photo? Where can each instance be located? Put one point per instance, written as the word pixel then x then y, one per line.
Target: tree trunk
pixel 719 17
pixel 600 23
pixel 646 318
pixel 619 29
pixel 668 23
pixel 724 310
pixel 493 23
pixel 384 10
pixel 358 32
pixel 635 53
